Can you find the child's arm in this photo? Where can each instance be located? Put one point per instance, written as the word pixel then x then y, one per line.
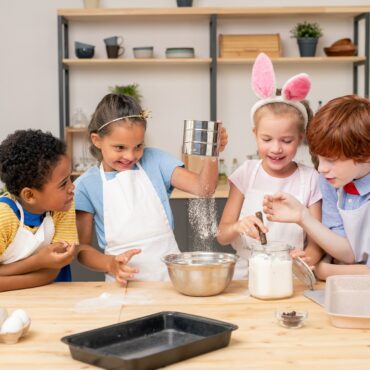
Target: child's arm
pixel 52 256
pixel 31 280
pixel 98 261
pixel 204 183
pixel 283 207
pixel 324 269
pixel 230 226
pixel 313 252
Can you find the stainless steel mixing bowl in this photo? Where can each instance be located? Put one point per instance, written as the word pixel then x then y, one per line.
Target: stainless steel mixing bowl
pixel 200 274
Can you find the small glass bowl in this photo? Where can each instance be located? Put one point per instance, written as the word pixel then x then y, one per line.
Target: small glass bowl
pixel 291 318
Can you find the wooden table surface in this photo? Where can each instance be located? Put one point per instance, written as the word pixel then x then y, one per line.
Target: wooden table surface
pixel 259 343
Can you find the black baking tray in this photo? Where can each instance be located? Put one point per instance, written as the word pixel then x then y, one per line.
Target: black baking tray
pixel 149 342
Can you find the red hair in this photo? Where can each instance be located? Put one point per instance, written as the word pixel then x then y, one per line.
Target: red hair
pixel 341 129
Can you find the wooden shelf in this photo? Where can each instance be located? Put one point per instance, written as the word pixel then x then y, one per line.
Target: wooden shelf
pixel 111 13
pixel 284 60
pixel 70 129
pixel 151 61
pixel 207 61
pixel 76 173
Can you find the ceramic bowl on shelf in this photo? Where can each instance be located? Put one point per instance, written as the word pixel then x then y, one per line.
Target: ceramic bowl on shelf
pixel 143 52
pixel 84 53
pixel 180 53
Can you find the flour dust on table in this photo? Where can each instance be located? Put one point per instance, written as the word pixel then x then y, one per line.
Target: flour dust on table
pixel 203 221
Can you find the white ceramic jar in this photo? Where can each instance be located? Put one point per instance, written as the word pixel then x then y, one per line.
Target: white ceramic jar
pixel 270 271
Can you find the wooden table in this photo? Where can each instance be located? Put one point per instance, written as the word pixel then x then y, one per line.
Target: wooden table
pixel 259 343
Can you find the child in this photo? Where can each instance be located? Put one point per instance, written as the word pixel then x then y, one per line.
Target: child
pixel 339 135
pixel 278 124
pixel 37 218
pixel 127 196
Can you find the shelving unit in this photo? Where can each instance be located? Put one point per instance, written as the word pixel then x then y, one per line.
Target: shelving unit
pixel 212 16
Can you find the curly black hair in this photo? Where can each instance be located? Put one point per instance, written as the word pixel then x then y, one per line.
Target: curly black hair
pixel 27 158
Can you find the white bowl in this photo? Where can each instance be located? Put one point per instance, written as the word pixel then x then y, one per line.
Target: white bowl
pixel 143 52
pixel 180 52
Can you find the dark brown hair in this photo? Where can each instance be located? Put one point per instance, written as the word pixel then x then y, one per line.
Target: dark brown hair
pixel 341 129
pixel 111 107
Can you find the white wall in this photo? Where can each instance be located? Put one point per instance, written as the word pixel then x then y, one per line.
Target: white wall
pixel 29 75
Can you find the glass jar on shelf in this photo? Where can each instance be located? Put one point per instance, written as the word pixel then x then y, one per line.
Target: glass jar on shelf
pixel 79 119
pixel 222 172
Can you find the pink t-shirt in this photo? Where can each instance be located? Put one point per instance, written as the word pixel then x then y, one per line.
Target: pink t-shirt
pixel 264 182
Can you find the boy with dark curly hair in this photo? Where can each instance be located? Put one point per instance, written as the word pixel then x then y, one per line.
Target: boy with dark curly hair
pixel 37 217
pixel 339 135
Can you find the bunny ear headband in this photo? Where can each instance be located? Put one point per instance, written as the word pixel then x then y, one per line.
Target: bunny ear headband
pixel 264 86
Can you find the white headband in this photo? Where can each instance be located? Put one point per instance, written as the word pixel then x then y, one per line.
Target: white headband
pixel 144 115
pixel 279 99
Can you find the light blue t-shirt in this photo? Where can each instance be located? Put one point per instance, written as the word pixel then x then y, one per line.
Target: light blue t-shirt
pixel 158 166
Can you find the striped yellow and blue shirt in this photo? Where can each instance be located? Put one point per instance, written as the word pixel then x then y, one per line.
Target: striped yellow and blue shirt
pixel 64 223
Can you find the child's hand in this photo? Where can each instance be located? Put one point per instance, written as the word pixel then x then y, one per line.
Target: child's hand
pixel 120 268
pixel 302 254
pixel 322 270
pixel 223 138
pixel 283 207
pixel 56 255
pixel 248 226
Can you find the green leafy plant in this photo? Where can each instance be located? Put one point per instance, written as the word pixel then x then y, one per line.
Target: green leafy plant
pixel 306 29
pixel 131 90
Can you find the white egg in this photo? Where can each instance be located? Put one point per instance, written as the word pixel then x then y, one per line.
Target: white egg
pixel 3 315
pixel 22 314
pixel 12 324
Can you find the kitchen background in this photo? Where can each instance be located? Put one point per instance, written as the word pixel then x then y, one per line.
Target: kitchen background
pixel 29 67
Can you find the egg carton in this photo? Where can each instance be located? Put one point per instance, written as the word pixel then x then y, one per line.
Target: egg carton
pixel 14 326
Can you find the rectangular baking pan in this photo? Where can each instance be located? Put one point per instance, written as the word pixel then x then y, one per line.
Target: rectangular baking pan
pixel 347 301
pixel 149 342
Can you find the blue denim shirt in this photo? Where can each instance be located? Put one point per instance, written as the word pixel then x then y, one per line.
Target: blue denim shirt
pixel 330 213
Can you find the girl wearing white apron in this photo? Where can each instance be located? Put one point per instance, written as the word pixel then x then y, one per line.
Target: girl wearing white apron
pixel 291 234
pixel 130 199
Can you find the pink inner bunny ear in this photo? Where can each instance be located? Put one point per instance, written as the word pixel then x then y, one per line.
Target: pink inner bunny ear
pixel 297 87
pixel 263 77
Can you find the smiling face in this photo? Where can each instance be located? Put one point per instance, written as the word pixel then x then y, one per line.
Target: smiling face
pixel 122 147
pixel 55 195
pixel 278 137
pixel 339 172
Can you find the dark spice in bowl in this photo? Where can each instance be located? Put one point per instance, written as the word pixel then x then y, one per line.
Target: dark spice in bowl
pixel 291 319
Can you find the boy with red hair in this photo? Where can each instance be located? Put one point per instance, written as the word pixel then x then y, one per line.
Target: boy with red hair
pixel 339 135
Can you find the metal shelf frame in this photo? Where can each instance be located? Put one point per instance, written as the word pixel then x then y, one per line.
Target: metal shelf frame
pixel 63 68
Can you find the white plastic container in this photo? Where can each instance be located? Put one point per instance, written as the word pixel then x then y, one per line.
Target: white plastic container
pixel 270 271
pixel 347 301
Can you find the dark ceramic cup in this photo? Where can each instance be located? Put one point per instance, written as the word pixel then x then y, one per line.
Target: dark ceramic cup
pixel 114 51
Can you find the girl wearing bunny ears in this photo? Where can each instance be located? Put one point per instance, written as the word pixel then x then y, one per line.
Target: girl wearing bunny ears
pixel 278 123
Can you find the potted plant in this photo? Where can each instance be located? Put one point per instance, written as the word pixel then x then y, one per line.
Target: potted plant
pixel 131 90
pixel 307 35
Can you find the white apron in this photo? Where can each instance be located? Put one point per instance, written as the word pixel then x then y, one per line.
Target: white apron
pixel 356 225
pixel 25 243
pixel 134 217
pixel 290 233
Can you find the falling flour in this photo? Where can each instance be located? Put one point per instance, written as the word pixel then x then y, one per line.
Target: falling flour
pixel 203 221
